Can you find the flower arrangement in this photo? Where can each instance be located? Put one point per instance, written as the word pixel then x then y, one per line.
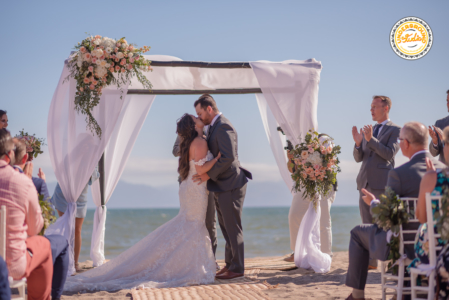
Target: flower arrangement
pixel 315 165
pixel 99 62
pixel 32 143
pixel 390 214
pixel 47 213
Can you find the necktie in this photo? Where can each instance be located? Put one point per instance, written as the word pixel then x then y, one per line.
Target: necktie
pixel 376 130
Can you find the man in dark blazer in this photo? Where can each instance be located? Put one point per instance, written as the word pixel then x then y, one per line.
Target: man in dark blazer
pixel 436 145
pixel 375 147
pixel 228 182
pixel 368 240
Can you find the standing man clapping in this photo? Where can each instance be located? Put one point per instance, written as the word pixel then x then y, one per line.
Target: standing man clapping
pixel 375 146
pixel 436 145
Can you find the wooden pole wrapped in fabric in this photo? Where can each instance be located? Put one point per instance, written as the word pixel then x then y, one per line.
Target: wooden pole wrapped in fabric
pixel 101 170
pixel 202 64
pixel 194 92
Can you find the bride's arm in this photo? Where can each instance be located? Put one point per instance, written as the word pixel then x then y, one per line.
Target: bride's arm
pixel 202 166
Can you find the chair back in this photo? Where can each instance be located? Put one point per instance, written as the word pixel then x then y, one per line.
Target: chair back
pixel 408 235
pixel 431 222
pixel 3 232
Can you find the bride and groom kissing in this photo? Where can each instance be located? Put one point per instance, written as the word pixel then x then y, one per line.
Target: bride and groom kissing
pixel 179 253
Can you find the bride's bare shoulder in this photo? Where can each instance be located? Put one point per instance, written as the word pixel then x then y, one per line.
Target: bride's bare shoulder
pixel 199 143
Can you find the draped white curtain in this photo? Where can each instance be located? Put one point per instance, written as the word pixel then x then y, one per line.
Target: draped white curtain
pixel 74 150
pixel 133 115
pixel 276 139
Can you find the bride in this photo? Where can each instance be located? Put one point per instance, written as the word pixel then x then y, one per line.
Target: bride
pixel 178 253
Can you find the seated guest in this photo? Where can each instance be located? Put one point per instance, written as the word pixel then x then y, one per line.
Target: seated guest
pixel 21 159
pixel 370 240
pixel 3 119
pixel 27 254
pixel 60 203
pixel 434 182
pixel 5 291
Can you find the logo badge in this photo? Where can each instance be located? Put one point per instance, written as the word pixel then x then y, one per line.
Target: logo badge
pixel 411 38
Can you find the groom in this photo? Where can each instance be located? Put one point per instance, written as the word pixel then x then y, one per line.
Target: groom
pixel 227 181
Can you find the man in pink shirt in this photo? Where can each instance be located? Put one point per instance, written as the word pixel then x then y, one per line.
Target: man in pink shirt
pixel 27 254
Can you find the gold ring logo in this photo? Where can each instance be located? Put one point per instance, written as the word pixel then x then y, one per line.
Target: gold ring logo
pixel 411 38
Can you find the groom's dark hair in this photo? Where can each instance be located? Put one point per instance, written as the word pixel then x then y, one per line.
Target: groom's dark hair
pixel 206 100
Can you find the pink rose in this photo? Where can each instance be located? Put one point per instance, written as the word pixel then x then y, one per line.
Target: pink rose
pixel 94 60
pixel 81 89
pixel 316 167
pixel 111 69
pixel 102 57
pixel 131 60
pixel 86 80
pixel 123 62
pixel 322 148
pixel 88 56
pixel 83 49
pixel 112 63
pixel 117 60
pixel 117 68
pixel 137 57
pixel 91 69
pixel 311 150
pixel 150 68
pixel 304 175
pixel 118 45
pixel 123 70
pixel 92 87
pixel 129 66
pixel 329 165
pixel 313 178
pixel 309 171
pixel 131 48
pixel 94 82
pixel 98 36
pixel 324 151
pixel 329 149
pixel 115 49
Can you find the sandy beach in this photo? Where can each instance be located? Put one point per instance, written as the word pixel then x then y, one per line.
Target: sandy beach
pixel 266 284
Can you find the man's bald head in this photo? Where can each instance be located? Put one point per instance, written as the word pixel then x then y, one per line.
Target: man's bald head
pixel 416 133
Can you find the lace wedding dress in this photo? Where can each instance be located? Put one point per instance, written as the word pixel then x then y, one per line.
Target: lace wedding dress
pixel 178 253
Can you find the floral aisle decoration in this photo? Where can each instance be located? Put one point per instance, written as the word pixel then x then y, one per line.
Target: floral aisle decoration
pixel 315 166
pixel 443 218
pixel 390 214
pixel 101 61
pixel 47 213
pixel 32 143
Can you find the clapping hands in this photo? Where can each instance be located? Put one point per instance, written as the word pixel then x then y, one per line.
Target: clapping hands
pixel 435 133
pixel 358 136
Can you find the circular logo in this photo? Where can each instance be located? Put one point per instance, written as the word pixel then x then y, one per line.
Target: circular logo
pixel 411 38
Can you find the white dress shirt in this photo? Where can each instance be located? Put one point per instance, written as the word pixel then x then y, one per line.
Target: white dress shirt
pixel 215 119
pixel 382 125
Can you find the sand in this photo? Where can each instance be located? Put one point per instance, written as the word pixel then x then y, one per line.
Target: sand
pixel 293 284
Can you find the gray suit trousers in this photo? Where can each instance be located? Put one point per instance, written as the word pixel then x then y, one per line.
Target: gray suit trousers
pixel 229 206
pixel 366 241
pixel 211 222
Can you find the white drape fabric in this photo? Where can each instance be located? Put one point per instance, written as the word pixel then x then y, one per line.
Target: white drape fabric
pixel 276 139
pixel 291 91
pixel 133 115
pixel 74 150
pixel 308 247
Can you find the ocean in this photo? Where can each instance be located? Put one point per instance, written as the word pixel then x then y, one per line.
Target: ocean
pixel 265 230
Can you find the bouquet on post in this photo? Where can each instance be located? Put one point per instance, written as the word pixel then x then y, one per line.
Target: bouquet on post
pixel 315 164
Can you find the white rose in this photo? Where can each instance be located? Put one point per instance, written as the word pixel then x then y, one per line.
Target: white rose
pixel 108 50
pixel 102 63
pixel 99 61
pixel 79 60
pixel 123 46
pixel 98 52
pixel 107 42
pixel 101 71
pixel 97 42
pixel 107 65
pixel 120 55
pixel 130 55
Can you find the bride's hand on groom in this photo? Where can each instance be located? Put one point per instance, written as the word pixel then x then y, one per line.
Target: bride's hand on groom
pixel 200 178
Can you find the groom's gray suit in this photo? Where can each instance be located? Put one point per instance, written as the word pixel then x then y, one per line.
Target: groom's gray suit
pixel 368 240
pixel 228 182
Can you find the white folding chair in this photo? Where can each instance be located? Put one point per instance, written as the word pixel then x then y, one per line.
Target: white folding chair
pixel 424 269
pixel 18 284
pixel 394 284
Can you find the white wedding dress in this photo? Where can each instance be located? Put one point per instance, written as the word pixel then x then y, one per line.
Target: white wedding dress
pixel 178 253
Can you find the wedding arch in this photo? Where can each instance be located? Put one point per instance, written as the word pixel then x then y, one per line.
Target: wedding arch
pixel 286 94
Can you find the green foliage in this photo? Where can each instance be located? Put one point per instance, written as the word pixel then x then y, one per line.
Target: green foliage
pixel 390 214
pixel 47 213
pixel 443 218
pixel 32 143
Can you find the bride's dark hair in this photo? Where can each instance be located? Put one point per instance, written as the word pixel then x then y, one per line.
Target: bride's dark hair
pixel 186 130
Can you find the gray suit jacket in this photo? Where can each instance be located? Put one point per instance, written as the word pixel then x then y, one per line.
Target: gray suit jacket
pixel 405 181
pixel 441 123
pixel 226 174
pixel 377 157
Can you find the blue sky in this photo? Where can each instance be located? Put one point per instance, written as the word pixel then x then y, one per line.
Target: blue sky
pixel 350 38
